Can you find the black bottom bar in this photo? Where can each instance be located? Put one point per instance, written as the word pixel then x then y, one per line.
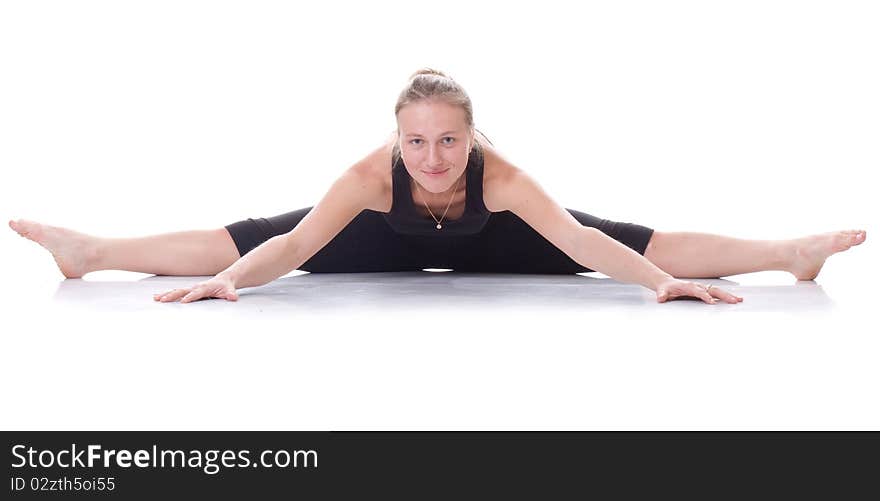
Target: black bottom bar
pixel 149 465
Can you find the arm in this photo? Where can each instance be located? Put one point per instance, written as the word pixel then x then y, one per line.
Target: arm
pixel 347 197
pixel 599 252
pixel 270 260
pixel 353 192
pixel 587 246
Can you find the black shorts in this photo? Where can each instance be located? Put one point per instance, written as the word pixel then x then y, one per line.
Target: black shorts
pixel 368 244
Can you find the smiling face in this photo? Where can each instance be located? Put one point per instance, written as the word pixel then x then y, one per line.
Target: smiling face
pixel 434 140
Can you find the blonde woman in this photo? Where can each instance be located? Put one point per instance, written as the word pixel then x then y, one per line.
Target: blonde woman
pixel 436 194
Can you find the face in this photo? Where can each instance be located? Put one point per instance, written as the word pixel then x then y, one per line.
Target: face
pixel 434 142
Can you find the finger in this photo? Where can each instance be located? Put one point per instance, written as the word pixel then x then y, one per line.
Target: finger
pixel 174 295
pixel 193 295
pixel 162 294
pixel 669 296
pixel 703 294
pixel 725 296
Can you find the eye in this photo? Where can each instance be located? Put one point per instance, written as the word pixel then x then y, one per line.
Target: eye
pixel 451 140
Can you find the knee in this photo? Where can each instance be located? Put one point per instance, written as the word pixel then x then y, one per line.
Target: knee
pixel 224 242
pixel 653 243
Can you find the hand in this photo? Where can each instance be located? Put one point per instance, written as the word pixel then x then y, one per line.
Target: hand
pixel 220 287
pixel 674 288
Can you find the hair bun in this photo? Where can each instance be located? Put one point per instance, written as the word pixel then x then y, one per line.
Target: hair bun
pixel 428 71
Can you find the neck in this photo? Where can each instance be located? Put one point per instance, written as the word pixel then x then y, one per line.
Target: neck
pixel 442 198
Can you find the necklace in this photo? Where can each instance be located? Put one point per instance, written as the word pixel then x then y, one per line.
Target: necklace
pixel 439 226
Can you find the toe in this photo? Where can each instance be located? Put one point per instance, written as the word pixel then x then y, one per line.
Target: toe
pixel 846 239
pixel 858 238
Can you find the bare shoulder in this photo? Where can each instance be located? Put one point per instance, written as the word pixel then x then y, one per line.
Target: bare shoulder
pixel 498 177
pixel 511 188
pixel 374 171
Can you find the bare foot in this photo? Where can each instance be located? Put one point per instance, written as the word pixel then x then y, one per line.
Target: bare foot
pixel 74 252
pixel 810 253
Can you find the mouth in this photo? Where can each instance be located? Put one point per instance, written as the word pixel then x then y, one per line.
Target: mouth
pixel 435 173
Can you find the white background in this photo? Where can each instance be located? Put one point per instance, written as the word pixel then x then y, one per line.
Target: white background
pixel 755 119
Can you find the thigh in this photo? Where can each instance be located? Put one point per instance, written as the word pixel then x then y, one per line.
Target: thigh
pixel 366 244
pixel 508 245
pixel 249 233
pixel 634 236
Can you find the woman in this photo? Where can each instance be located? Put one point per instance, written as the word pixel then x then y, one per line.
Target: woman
pixel 436 195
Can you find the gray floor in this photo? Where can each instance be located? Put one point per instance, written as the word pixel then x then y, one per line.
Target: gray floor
pixel 310 293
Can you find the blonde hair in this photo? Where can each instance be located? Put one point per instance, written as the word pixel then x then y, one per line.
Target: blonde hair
pixel 428 83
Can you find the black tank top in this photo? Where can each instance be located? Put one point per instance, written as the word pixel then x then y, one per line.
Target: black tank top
pixel 404 219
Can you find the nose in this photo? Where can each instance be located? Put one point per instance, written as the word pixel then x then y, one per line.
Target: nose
pixel 434 158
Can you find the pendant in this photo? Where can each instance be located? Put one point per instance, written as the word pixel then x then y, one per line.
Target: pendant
pixel 438 226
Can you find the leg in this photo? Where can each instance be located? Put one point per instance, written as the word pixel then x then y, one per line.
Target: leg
pixel 185 253
pixel 702 255
pixel 199 252
pixel 366 244
pixel 508 245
